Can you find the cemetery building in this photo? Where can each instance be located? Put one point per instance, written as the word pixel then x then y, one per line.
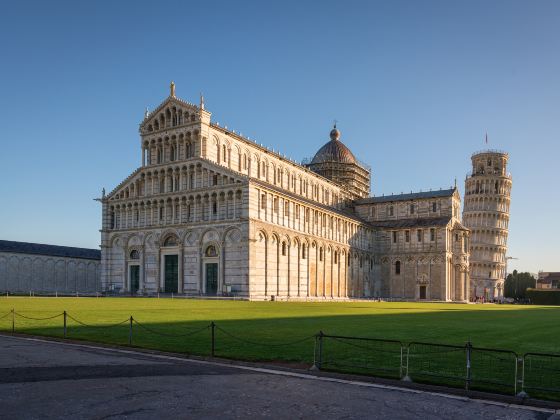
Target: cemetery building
pixel 48 269
pixel 211 213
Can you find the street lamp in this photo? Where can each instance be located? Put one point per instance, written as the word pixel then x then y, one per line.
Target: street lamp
pixel 506 273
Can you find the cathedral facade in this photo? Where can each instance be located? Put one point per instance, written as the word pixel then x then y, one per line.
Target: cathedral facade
pixel 210 212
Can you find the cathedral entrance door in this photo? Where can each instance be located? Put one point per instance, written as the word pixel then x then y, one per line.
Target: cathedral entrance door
pixel 211 278
pixel 422 292
pixel 171 273
pixel 134 279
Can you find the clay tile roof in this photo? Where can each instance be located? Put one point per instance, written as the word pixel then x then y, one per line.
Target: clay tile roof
pixel 412 223
pixel 404 197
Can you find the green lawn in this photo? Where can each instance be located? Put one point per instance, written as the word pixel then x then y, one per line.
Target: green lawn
pixel 257 330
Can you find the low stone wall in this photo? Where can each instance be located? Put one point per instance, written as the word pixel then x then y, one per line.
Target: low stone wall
pixel 24 273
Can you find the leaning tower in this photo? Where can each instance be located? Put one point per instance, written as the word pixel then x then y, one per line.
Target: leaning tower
pixel 486 214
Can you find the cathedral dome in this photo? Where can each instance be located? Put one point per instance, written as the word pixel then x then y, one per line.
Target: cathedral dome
pixel 334 151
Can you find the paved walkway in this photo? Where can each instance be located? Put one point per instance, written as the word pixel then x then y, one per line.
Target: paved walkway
pixel 41 379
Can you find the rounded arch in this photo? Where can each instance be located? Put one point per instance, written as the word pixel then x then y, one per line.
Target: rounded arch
pixel 209 235
pixel 169 237
pixel 232 234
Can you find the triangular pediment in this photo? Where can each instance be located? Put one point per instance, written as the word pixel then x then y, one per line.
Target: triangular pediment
pixel 170 113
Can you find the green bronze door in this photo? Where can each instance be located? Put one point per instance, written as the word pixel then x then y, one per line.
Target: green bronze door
pixel 171 273
pixel 134 279
pixel 211 278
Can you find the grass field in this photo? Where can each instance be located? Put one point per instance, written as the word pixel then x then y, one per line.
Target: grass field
pixel 284 332
pixel 517 328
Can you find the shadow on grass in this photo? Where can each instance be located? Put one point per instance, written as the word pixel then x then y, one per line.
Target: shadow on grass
pixel 292 340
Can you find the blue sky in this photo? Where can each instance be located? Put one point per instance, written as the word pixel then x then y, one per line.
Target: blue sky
pixel 414 86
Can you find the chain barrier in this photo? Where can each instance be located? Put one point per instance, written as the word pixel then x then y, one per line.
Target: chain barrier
pixel 6 315
pixel 206 327
pixel 254 343
pixel 38 319
pixel 96 326
pixel 489 369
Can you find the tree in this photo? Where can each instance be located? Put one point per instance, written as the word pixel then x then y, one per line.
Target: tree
pixel 516 285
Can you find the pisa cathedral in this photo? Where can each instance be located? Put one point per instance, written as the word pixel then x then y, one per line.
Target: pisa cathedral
pixel 210 212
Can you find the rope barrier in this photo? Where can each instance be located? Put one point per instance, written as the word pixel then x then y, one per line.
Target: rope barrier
pixel 4 316
pixel 96 326
pixel 168 334
pixel 291 343
pixel 39 319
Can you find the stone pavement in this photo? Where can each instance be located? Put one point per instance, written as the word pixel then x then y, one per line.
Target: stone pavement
pixel 40 379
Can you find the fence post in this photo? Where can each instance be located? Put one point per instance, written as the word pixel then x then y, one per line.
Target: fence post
pixel 318 352
pixel 522 393
pixel 401 363
pixel 468 379
pixel 130 331
pixel 64 324
pixel 213 349
pixel 406 376
pixel 13 321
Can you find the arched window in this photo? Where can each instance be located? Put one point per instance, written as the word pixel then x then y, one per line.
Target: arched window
pixel 398 267
pixel 336 257
pixel 284 248
pixel 170 241
pixel 211 251
pixel 134 255
pixel 321 254
pixel 224 155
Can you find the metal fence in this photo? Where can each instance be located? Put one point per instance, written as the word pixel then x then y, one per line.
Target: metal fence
pixel 472 368
pixel 359 355
pixel 541 375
